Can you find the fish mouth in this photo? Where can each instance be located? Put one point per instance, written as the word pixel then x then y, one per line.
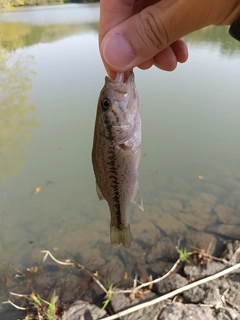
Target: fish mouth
pixel 118 83
pixel 121 75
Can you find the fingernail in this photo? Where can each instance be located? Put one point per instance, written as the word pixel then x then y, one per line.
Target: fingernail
pixel 117 51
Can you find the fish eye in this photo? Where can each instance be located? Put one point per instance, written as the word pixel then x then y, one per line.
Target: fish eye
pixel 105 103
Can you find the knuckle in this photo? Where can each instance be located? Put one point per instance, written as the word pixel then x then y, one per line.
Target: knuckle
pixel 154 30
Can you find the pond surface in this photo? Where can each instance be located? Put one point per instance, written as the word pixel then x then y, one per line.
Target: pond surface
pixel 51 75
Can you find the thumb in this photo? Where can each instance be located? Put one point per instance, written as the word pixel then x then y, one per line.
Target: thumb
pixel 142 36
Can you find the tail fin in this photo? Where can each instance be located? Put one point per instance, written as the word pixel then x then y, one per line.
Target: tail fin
pixel 120 235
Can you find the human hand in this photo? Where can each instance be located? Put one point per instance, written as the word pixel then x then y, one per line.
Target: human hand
pixel 147 32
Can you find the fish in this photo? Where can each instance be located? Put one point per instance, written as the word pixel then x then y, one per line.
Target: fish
pixel 116 153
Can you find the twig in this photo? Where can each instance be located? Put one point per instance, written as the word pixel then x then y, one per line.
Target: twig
pixel 159 279
pixel 98 282
pixel 15 269
pixel 223 260
pixel 72 263
pixel 64 263
pixel 135 289
pixel 19 295
pixel 14 305
pixel 173 293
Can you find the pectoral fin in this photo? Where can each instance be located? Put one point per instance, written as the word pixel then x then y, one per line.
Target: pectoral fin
pixel 99 193
pixel 137 198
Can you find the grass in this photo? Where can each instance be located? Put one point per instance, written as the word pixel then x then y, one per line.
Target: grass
pixel 108 297
pixel 183 254
pixel 44 307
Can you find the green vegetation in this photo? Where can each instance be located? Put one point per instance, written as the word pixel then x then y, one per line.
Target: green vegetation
pixel 43 307
pixel 183 254
pixel 108 297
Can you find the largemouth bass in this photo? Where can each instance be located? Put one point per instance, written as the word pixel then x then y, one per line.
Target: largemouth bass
pixel 116 152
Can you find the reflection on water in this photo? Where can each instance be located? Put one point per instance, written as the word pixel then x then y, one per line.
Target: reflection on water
pixel 213 36
pixel 16 114
pixel 17 35
pixel 190 130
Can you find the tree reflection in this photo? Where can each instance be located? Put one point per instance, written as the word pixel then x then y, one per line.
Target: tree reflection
pixel 22 34
pixel 16 113
pixel 215 36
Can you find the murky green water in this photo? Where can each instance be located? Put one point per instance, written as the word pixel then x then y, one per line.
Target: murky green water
pixel 50 75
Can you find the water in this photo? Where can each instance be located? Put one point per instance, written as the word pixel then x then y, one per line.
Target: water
pixel 190 158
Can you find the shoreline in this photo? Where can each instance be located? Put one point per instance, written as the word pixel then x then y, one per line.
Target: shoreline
pixel 26 5
pixel 199 284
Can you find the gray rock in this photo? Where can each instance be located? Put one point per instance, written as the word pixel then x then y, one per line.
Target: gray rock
pixel 232 292
pixel 232 251
pixel 121 302
pixel 81 310
pixel 227 314
pixel 172 282
pixel 180 311
pixel 195 295
pixel 201 271
pixel 73 285
pixel 208 293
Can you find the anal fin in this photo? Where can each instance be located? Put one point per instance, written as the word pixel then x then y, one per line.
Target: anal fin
pixel 137 198
pixel 99 193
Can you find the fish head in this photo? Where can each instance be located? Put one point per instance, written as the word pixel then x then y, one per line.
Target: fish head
pixel 118 108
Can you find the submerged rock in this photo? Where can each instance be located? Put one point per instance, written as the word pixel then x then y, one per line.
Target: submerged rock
pixel 145 232
pixel 226 230
pixel 170 225
pixel 233 200
pixel 170 205
pixel 163 249
pixel 197 213
pixel 227 215
pixel 196 240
